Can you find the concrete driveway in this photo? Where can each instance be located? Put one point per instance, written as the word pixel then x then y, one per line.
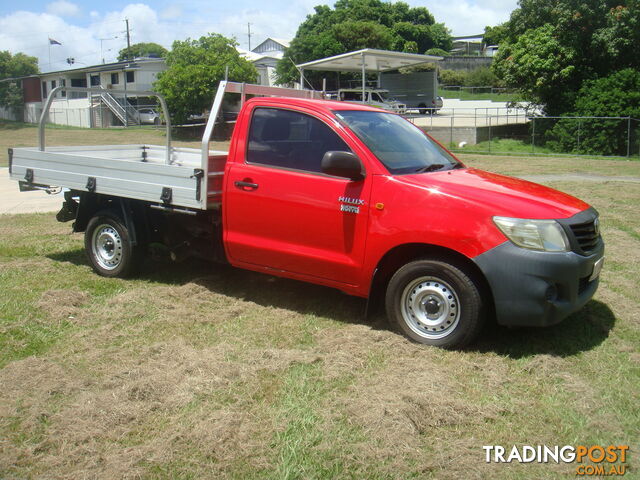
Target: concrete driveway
pixel 12 200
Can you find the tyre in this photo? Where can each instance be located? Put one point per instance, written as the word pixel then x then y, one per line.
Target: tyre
pixel 422 108
pixel 108 246
pixel 435 303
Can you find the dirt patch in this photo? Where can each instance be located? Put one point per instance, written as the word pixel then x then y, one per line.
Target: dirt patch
pixel 130 408
pixel 62 304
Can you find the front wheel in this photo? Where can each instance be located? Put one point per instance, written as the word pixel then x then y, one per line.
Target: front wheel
pixel 108 246
pixel 435 303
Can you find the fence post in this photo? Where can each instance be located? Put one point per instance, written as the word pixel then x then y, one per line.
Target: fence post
pixel 451 138
pixel 579 124
pixel 533 135
pixel 629 136
pixel 489 134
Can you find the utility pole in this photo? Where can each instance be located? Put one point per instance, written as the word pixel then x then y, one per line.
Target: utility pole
pixel 128 40
pixel 249 34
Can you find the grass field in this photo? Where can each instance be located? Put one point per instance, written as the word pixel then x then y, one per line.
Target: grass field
pixel 197 371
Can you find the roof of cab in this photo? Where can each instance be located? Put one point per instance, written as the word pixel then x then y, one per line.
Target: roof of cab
pixel 325 105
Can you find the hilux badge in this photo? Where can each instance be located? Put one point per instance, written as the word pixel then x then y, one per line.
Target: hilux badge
pixel 351 201
pixel 350 205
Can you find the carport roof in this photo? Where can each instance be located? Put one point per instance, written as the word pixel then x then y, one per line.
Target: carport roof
pixel 374 61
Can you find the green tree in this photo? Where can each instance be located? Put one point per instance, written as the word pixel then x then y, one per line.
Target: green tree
pixel 13 67
pixel 142 50
pixel 549 48
pixel 195 68
pixel 356 24
pixel 494 35
pixel 617 95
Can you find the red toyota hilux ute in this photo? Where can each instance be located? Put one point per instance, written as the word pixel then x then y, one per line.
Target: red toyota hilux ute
pixel 359 199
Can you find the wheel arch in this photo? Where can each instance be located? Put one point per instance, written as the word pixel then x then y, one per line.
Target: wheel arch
pixel 92 203
pixel 402 254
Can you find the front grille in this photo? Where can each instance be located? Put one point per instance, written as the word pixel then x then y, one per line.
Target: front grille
pixel 586 235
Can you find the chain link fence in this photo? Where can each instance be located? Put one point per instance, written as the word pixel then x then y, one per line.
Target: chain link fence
pixel 513 132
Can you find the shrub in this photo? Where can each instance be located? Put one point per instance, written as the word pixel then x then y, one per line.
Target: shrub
pixel 617 95
pixel 452 77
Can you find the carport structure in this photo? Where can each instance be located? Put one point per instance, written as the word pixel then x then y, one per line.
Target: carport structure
pixel 368 60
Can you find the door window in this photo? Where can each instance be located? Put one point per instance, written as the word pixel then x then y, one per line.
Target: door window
pixel 282 138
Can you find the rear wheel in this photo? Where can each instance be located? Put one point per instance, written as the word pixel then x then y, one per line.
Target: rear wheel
pixel 435 303
pixel 422 108
pixel 107 242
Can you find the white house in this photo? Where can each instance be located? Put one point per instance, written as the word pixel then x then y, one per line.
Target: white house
pixel 265 58
pixel 96 110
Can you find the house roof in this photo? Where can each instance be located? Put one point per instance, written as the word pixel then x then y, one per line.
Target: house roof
pixel 130 64
pixel 279 41
pixel 256 57
pixel 374 61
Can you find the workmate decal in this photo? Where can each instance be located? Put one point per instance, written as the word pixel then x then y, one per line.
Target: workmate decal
pixel 349 209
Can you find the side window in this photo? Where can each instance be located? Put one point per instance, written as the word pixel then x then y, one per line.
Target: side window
pixel 283 138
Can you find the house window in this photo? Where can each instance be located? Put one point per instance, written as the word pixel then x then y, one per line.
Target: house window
pixel 130 77
pixel 95 80
pixel 115 78
pixel 53 84
pixel 63 83
pixel 44 89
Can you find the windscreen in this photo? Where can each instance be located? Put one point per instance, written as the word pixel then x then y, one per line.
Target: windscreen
pixel 399 145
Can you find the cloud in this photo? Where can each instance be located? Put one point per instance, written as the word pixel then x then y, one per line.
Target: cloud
pixel 171 12
pixel 470 17
pixel 63 8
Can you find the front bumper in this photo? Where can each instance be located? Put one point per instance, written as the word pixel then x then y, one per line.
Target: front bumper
pixel 532 288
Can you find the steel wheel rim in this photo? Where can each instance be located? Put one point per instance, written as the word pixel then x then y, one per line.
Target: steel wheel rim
pixel 430 307
pixel 106 245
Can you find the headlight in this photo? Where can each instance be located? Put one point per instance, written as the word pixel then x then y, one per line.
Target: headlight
pixel 545 235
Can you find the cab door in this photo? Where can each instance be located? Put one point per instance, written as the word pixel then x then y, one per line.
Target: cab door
pixel 282 212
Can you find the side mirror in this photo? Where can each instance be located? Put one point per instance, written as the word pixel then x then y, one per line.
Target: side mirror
pixel 342 164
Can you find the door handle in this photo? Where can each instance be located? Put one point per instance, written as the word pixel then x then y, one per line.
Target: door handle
pixel 246 185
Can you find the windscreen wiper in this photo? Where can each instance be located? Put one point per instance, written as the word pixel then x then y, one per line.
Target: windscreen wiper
pixel 429 168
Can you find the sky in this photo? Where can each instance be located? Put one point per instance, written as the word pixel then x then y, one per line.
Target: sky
pixel 92 32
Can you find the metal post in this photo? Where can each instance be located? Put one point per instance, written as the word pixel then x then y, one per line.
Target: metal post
pixel 579 125
pixel 489 134
pixel 451 137
pixel 126 110
pixel 533 135
pixel 301 79
pixel 364 78
pixel 629 137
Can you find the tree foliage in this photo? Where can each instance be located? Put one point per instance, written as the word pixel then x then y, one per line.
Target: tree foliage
pixel 357 24
pixel 549 48
pixel 136 50
pixel 494 35
pixel 195 68
pixel 14 66
pixel 617 95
